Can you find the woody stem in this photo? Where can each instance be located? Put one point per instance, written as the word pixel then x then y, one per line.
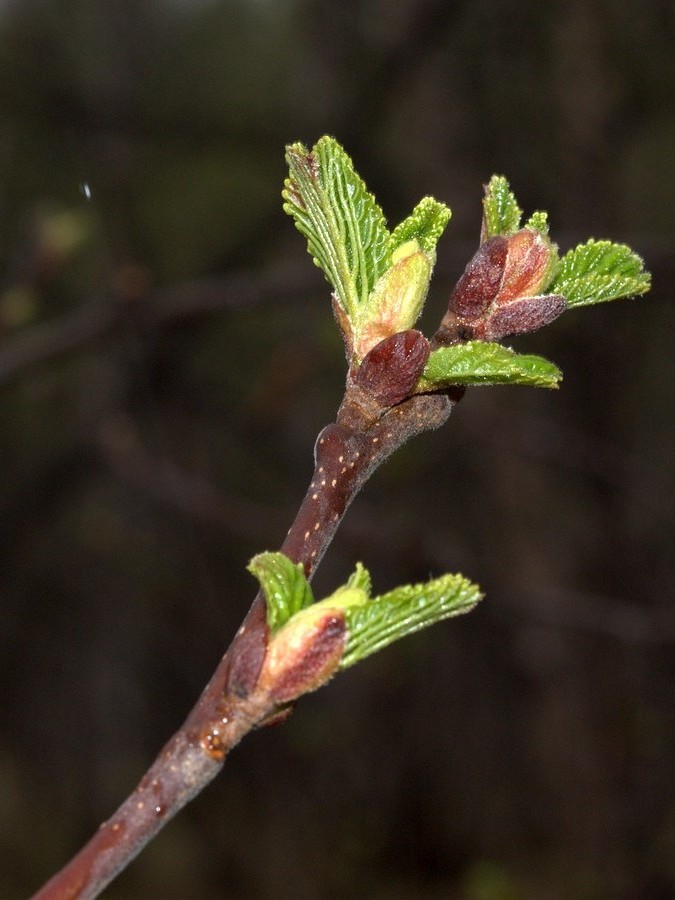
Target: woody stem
pixel 346 454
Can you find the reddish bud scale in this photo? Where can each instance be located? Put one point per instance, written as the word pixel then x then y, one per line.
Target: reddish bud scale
pixel 390 371
pixel 523 315
pixel 527 261
pixel 480 281
pixel 303 655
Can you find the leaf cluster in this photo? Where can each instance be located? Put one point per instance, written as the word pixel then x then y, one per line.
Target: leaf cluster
pixel 345 228
pixel 592 272
pixel 367 265
pixel 372 623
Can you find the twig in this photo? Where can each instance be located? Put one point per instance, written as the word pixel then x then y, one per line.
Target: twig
pixel 346 454
pixel 399 384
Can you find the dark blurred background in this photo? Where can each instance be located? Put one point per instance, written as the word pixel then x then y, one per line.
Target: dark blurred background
pixel 167 356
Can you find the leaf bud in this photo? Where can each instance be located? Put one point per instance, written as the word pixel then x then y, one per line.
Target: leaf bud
pixel 390 371
pixel 396 300
pixel 501 290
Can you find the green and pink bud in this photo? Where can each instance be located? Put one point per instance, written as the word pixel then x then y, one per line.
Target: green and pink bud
pixel 501 290
pixel 395 302
pixel 306 652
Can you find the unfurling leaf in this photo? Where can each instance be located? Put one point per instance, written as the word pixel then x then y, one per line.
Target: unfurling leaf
pixel 598 271
pixel 477 362
pixel 403 611
pixel 425 224
pixel 344 226
pixel 360 579
pixel 501 213
pixel 315 641
pixel 284 585
pixel 538 221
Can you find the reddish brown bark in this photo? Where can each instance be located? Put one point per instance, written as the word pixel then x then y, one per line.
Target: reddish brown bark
pixel 234 702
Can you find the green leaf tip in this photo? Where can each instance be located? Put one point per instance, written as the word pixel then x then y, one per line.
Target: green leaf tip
pixel 598 271
pixel 593 272
pixel 374 625
pixel 538 221
pixel 360 580
pixel 344 226
pixel 479 362
pixel 501 213
pixel 284 585
pixel 425 224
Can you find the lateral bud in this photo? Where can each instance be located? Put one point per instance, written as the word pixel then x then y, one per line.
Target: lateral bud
pixel 390 371
pixel 500 292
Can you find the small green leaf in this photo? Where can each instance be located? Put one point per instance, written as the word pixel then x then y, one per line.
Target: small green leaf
pixel 598 271
pixel 405 610
pixel 360 579
pixel 478 362
pixel 501 213
pixel 538 221
pixel 345 228
pixel 425 224
pixel 284 585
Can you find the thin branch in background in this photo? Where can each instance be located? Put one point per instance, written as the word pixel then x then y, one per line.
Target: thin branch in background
pixel 187 492
pixel 582 611
pixel 98 319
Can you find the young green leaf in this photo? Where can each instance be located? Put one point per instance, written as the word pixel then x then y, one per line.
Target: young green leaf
pixel 501 213
pixel 284 585
pixel 477 362
pixel 598 271
pixel 405 610
pixel 360 580
pixel 425 224
pixel 538 221
pixel 345 228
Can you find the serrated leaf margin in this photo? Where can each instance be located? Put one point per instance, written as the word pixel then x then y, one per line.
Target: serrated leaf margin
pixel 482 362
pixel 600 270
pixel 404 611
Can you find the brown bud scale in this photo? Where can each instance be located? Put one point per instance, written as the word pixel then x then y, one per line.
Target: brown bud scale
pixel 480 281
pixel 390 371
pixel 523 315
